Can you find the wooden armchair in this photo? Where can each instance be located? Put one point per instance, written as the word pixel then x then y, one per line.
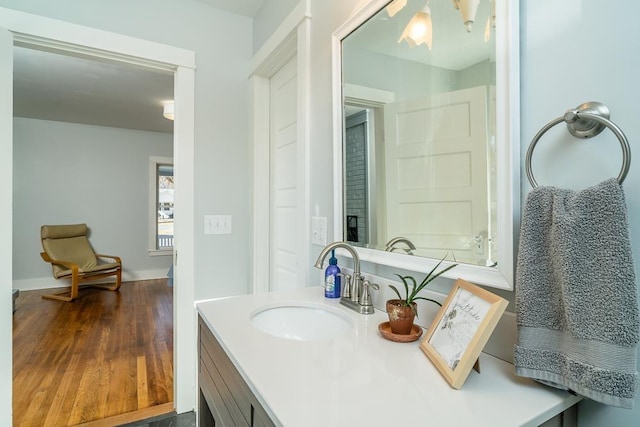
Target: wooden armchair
pixel 67 249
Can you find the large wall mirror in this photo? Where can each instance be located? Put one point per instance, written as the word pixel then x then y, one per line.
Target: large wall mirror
pixel 426 135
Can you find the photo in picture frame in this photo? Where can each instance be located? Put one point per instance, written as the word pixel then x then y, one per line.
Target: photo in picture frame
pixel 461 329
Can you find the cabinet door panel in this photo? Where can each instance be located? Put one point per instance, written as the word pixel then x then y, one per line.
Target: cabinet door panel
pixel 232 378
pixel 230 399
pixel 225 402
pixel 260 418
pixel 214 400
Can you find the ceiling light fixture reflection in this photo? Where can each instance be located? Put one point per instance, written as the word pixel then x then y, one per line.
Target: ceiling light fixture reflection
pixel 419 30
pixel 395 6
pixel 168 110
pixel 468 10
pixel 491 22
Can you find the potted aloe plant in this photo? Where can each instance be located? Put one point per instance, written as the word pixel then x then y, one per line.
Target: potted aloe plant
pixel 403 310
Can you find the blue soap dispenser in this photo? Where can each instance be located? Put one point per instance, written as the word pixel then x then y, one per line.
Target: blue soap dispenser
pixel 331 278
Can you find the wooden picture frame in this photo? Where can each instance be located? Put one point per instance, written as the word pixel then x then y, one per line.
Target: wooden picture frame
pixel 461 329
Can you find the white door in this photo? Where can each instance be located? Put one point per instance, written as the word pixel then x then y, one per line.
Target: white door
pixel 436 163
pixel 283 185
pixel 6 194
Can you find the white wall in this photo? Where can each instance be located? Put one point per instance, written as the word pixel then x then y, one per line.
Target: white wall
pixel 571 52
pixel 270 15
pixel 67 173
pixel 407 83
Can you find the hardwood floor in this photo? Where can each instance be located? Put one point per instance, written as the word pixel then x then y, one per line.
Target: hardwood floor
pixel 103 355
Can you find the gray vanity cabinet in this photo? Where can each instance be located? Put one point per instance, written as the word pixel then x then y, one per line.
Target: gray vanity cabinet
pixel 225 398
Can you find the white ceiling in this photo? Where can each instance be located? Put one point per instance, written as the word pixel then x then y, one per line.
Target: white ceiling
pixel 241 7
pixel 51 86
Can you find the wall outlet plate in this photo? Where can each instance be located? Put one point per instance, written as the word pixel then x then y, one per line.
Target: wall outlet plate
pixel 319 230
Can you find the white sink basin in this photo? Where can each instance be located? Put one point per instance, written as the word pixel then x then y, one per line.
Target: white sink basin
pixel 301 322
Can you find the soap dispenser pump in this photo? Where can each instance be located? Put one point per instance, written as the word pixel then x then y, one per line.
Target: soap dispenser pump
pixel 332 278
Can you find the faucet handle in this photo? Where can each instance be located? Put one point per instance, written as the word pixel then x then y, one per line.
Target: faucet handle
pixel 365 295
pixel 346 285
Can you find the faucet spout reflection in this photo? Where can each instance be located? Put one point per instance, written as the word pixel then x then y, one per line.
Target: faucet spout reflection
pixel 390 246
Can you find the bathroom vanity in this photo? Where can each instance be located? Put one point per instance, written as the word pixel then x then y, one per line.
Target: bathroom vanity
pixel 222 390
pixel 251 371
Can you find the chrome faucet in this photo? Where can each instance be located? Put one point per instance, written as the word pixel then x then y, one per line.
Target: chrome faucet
pixel 390 246
pixel 355 294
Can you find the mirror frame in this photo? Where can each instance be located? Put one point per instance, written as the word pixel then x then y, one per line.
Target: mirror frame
pixel 507 151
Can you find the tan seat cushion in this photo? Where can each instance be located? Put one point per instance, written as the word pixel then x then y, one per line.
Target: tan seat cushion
pixel 100 268
pixel 73 249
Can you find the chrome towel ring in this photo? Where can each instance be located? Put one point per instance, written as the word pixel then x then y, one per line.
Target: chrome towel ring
pixel 585 121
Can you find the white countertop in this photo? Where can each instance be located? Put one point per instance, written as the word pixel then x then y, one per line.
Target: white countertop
pixel 360 378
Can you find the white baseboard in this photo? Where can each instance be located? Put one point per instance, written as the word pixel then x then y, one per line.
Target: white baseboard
pixel 50 282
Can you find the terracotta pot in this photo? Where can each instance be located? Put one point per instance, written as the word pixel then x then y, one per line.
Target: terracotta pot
pixel 400 317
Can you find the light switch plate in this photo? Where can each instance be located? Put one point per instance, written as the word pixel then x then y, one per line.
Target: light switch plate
pixel 217 224
pixel 319 230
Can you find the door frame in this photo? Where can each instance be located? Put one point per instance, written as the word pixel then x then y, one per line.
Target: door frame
pixel 291 38
pixel 54 35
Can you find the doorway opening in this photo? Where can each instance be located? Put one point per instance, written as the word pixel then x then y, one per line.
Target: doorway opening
pixel 72 131
pixel 31 30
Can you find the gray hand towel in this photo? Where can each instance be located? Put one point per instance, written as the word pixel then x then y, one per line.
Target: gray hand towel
pixel 576 296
